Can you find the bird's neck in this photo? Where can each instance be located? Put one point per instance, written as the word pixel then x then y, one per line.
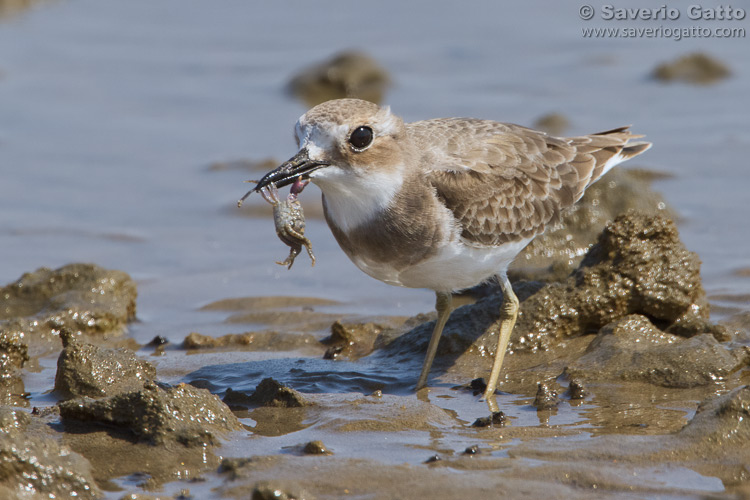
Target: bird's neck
pixel 352 200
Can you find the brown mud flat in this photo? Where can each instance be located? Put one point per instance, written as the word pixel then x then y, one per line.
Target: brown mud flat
pixel 617 385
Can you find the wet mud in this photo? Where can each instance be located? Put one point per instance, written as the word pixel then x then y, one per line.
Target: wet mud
pixel 614 466
pixel 617 383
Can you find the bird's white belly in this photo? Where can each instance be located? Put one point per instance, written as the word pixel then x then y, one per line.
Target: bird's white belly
pixel 456 266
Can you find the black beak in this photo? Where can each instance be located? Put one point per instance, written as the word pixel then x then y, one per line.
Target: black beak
pixel 288 172
pixel 300 165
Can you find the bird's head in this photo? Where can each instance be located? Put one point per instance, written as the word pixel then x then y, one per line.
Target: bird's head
pixel 341 141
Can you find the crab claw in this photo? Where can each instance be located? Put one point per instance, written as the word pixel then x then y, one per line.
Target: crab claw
pixel 270 194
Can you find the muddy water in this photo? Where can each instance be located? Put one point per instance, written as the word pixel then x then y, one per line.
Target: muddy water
pixel 110 119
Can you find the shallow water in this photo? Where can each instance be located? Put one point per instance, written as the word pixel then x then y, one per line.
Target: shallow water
pixel 111 113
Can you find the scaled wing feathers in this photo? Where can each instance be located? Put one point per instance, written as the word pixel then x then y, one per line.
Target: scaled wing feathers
pixel 508 182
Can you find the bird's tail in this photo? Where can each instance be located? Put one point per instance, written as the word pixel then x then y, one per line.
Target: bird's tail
pixel 597 153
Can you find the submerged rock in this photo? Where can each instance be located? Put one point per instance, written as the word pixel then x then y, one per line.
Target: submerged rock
pixel 87 370
pixel 158 415
pixel 632 349
pixel 35 467
pixel 82 298
pixel 696 68
pixel 348 74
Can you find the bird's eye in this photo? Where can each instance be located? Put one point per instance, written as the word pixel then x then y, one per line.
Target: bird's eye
pixel 361 138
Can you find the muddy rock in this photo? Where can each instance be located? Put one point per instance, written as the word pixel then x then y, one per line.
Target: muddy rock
pixel 87 370
pixel 158 415
pixel 576 389
pixel 13 421
pixel 553 123
pixel 556 253
pixel 13 356
pixel 13 391
pixel 34 467
pixel 546 397
pixel 697 68
pixel 270 490
pixel 352 340
pixel 472 450
pixel 315 448
pixel 348 74
pixel 13 352
pixel 496 419
pixel 632 349
pixel 690 324
pixel 638 266
pixel 272 393
pixel 82 298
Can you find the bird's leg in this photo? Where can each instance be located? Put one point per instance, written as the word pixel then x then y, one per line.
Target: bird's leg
pixel 443 306
pixel 508 314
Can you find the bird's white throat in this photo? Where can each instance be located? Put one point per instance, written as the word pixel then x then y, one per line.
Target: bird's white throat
pixel 352 198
